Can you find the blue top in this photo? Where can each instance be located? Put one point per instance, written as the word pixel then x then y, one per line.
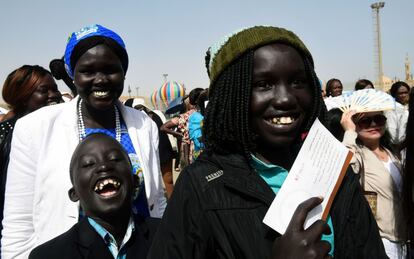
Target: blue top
pixel 140 205
pixel 275 176
pixel 110 241
pixel 195 126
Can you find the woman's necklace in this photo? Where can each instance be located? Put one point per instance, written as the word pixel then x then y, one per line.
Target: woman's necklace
pixel 81 124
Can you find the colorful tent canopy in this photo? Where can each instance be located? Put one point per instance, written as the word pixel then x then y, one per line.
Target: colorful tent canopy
pixel 154 99
pixel 169 91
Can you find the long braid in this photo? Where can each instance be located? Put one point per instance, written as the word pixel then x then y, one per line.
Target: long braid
pixel 319 108
pixel 227 115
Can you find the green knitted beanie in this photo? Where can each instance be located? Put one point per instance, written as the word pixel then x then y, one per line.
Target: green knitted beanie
pixel 228 49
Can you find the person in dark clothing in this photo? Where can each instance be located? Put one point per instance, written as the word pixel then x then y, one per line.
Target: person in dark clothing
pixel 100 171
pixel 408 175
pixel 165 150
pixel 263 98
pixel 333 123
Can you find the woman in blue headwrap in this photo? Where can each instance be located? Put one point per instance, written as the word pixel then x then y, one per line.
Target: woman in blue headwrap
pixel 37 207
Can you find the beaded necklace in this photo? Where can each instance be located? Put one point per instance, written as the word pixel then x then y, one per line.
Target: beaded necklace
pixel 81 124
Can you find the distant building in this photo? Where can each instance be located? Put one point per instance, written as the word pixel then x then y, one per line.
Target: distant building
pixel 387 82
pixel 408 75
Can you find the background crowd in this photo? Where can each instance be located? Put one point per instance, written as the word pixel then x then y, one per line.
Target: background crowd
pixel 87 175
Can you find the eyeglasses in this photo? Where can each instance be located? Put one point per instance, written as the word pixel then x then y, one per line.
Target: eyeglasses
pixel 366 122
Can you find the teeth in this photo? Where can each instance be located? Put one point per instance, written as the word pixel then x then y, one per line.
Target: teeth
pixel 101 93
pixel 282 120
pixel 100 185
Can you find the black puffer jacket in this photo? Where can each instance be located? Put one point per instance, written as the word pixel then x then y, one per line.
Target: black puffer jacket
pixel 218 205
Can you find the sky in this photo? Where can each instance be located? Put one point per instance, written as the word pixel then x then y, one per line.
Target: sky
pixel 171 37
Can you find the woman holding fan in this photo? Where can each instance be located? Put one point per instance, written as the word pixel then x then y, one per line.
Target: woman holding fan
pixel 377 162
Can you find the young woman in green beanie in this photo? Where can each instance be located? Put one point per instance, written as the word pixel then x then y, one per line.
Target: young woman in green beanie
pixel 264 96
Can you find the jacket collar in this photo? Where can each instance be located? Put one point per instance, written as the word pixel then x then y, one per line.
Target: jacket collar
pixel 90 243
pixel 239 176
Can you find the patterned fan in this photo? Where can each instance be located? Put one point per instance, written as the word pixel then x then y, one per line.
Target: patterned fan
pixel 366 100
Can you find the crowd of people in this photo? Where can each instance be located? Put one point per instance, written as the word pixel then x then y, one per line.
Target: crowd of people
pixel 91 177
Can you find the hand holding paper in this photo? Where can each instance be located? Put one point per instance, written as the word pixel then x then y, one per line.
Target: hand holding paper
pixel 317 172
pixel 297 242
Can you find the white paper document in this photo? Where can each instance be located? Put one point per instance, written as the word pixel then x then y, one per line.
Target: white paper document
pixel 317 171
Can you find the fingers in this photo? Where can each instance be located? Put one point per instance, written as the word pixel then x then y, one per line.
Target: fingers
pixel 301 212
pixel 346 120
pixel 318 228
pixel 347 115
pixel 321 249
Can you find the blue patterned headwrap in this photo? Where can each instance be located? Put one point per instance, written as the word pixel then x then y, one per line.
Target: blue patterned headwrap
pixel 87 32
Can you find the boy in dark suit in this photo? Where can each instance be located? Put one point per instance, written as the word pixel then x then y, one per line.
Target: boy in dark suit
pixel 100 172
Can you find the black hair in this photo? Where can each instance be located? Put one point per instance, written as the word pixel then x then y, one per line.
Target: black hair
pixel 129 102
pixel 75 153
pixel 227 126
pixel 395 86
pixel 333 123
pixel 386 141
pixel 88 43
pixel 362 83
pixel 202 98
pixel 329 86
pixel 408 168
pixel 193 95
pixel 57 68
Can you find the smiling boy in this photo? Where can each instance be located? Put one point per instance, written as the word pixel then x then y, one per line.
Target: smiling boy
pixel 100 172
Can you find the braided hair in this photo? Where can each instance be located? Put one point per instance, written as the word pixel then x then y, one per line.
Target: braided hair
pixel 227 126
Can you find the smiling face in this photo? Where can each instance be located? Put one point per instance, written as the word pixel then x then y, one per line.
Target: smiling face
pixel 101 177
pixel 281 95
pixel 336 89
pixel 46 93
pixel 99 77
pixel 370 126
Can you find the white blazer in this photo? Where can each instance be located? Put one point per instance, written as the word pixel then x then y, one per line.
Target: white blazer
pixel 37 207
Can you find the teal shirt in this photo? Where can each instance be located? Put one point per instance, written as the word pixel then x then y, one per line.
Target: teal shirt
pixel 274 176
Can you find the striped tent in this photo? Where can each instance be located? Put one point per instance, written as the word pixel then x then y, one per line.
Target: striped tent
pixel 161 98
pixel 169 91
pixel 154 99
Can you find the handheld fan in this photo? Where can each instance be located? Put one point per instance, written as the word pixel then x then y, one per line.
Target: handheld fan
pixel 366 100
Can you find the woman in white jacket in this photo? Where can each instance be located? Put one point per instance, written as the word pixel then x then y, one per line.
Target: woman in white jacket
pixel 37 207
